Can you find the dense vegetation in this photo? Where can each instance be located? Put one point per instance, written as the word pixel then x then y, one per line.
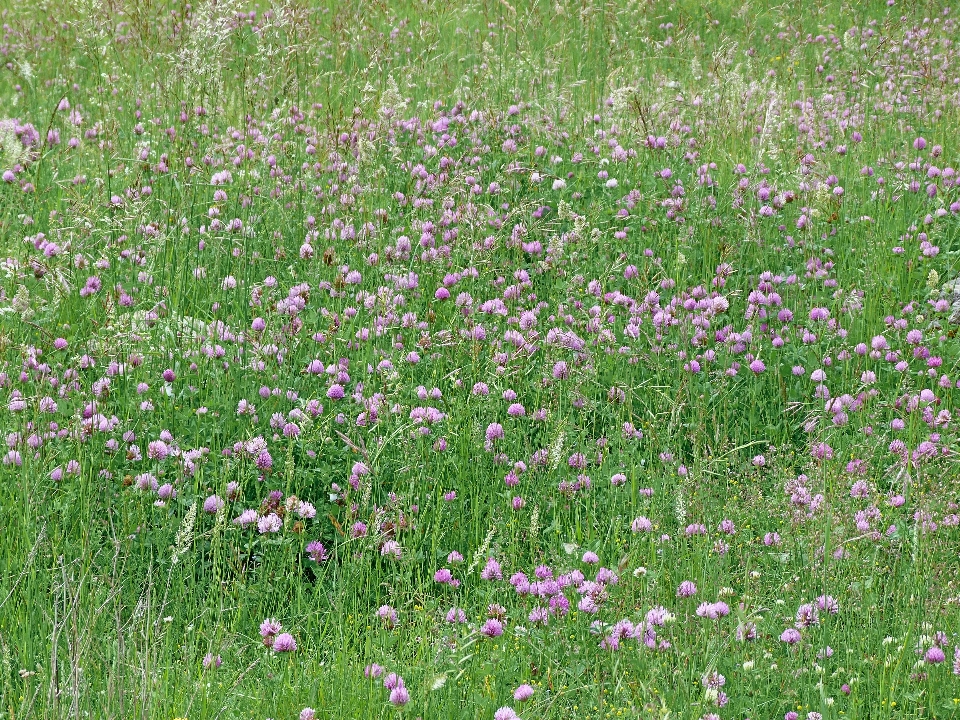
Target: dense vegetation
pixel 479 360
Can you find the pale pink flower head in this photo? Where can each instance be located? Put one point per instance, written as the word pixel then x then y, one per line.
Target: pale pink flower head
pixel 821 451
pixel 491 570
pixel 494 432
pixel 269 524
pixel 388 615
pixel 316 551
pixel 524 692
pixel 456 615
pixel 284 642
pixel 791 636
pixel 391 548
pixel 400 695
pixel 269 629
pixel 713 611
pixel 492 628
pixel 247 517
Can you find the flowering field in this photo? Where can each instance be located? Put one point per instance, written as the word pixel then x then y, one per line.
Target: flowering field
pixel 479 360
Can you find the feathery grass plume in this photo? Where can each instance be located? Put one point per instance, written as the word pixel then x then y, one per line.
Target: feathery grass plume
pixel 680 505
pixel 7 665
pixel 556 448
pixel 767 147
pixel 366 154
pixel 481 554
pixel 289 467
pixel 185 534
pixel 623 99
pixel 198 62
pixel 58 286
pixel 535 525
pixel 21 303
pixel 276 47
pixel 90 23
pixel 367 481
pixel 12 150
pixel 392 103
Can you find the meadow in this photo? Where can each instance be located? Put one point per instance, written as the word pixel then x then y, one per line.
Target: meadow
pixel 481 360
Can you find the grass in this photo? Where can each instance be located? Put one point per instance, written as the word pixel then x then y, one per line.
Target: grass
pixel 325 251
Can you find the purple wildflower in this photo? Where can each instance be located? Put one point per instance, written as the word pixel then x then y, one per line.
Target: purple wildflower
pixel 284 642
